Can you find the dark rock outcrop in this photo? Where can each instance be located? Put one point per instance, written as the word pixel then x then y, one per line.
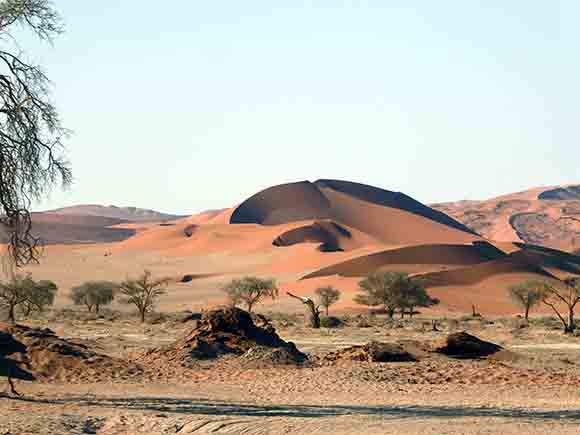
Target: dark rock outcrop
pixel 464 345
pixel 225 331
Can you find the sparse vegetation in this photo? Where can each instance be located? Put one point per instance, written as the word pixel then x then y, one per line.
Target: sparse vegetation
pixel 393 290
pixel 26 294
pixel 527 295
pixel 250 291
pixel 327 296
pixel 568 296
pixel 40 296
pixel 94 294
pixel 143 292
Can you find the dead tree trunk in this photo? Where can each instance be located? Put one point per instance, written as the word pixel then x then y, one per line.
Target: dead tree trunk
pixel 313 311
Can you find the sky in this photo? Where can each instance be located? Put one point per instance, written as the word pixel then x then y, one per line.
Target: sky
pixel 189 105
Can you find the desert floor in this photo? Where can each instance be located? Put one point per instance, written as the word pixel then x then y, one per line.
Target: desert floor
pixel 532 389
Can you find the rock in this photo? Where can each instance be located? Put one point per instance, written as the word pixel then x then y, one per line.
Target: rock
pixel 220 332
pixel 464 345
pixel 331 322
pixel 263 357
pixel 47 356
pixel 372 352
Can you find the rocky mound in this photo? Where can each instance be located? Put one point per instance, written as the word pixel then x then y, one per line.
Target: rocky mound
pixel 9 367
pixel 464 345
pixel 228 331
pixel 371 352
pixel 49 357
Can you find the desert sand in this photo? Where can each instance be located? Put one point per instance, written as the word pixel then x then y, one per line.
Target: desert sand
pixel 305 235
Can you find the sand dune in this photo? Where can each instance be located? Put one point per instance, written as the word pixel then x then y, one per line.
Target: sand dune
pixel 133 214
pixel 306 235
pixel 532 216
pixel 390 199
pixel 282 204
pixel 409 259
pixel 513 263
pixel 331 236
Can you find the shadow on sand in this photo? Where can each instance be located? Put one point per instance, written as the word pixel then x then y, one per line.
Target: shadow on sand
pixel 195 406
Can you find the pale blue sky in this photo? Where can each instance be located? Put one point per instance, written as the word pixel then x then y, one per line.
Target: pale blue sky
pixel 186 105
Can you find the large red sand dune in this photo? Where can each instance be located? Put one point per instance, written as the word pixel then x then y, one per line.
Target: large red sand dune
pixel 332 232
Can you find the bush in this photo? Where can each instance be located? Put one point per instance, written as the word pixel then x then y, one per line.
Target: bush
pixel 94 294
pixel 331 322
pixel 548 322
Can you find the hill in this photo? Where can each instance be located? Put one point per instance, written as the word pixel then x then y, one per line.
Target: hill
pixel 82 224
pixel 131 214
pixel 533 216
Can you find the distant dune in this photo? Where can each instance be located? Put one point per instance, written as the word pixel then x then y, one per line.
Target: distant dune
pixel 92 223
pixel 131 214
pixel 533 216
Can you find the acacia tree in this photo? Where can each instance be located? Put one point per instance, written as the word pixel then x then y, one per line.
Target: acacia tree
pixel 143 292
pixel 327 296
pixel 250 291
pixel 31 133
pixel 393 290
pixel 14 293
pixel 413 295
pixel 93 294
pixel 381 288
pixel 527 295
pixel 568 296
pixel 39 296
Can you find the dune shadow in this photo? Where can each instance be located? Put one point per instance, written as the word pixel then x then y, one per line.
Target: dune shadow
pixel 193 406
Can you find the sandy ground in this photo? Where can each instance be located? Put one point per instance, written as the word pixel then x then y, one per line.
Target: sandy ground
pixel 534 393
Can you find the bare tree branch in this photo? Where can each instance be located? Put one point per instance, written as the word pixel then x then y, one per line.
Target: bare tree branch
pixel 32 159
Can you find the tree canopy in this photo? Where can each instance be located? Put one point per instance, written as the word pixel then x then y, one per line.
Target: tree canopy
pixel 93 294
pixel 250 290
pixel 143 292
pixel 327 296
pixel 393 290
pixel 32 137
pixel 527 295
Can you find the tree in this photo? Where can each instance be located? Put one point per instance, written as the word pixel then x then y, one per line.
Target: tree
pixel 143 292
pixel 413 295
pixel 14 293
pixel 250 291
pixel 39 296
pixel 567 295
pixel 393 290
pixel 93 294
pixel 313 310
pixel 327 296
pixel 527 295
pixel 31 134
pixel 381 288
